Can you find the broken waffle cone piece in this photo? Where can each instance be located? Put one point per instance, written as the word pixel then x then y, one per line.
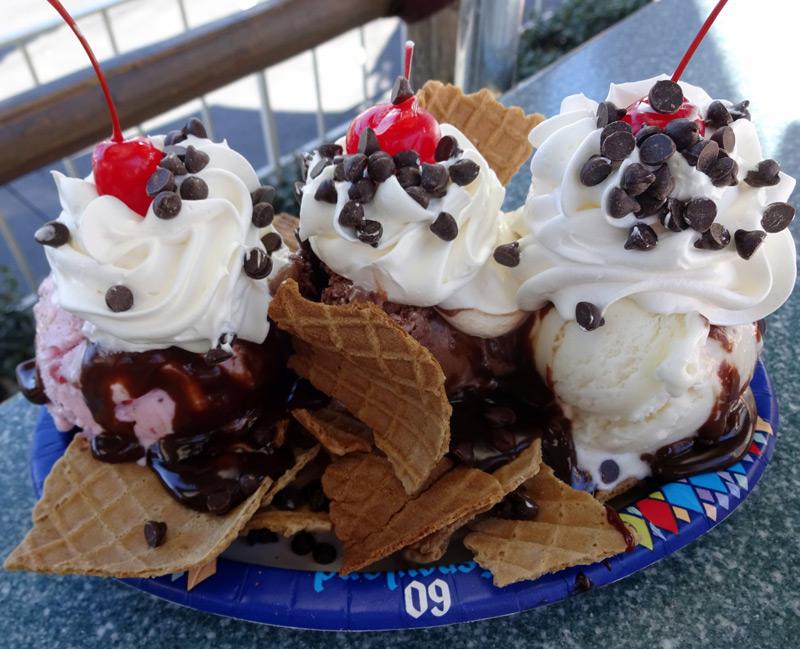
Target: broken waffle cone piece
pixel 604 495
pixel 510 476
pixel 571 529
pixel 338 432
pixel 289 523
pixel 195 576
pixel 498 132
pixel 286 226
pixel 91 518
pixel 357 354
pixel 300 461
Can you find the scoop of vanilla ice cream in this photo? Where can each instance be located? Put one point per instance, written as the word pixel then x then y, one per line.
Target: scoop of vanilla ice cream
pixel 639 382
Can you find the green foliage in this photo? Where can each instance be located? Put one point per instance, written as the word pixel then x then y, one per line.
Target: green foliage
pixel 573 23
pixel 16 330
pixel 284 190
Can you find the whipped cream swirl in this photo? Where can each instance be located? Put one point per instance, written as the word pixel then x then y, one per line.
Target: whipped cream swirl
pixel 574 250
pixel 186 273
pixel 410 263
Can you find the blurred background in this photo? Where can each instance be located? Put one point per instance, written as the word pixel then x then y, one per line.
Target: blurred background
pixel 279 103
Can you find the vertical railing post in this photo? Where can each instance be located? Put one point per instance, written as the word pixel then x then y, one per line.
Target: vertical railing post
pixel 318 95
pixel 268 128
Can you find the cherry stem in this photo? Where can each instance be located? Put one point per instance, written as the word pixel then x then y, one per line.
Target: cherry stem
pixel 408 50
pixel 696 42
pixel 116 135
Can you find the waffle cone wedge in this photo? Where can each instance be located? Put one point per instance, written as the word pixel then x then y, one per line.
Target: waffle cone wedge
pixel 339 433
pixel 300 461
pixel 91 517
pixel 571 529
pixel 510 476
pixel 498 132
pixel 357 354
pixel 289 523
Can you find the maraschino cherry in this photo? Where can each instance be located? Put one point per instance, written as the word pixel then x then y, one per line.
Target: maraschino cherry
pixel 644 113
pixel 400 125
pixel 121 167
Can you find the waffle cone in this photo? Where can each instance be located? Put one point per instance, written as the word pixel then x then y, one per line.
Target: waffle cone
pixel 286 225
pixel 289 523
pixel 357 354
pixel 498 132
pixel 91 517
pixel 604 495
pixel 339 433
pixel 570 529
pixel 510 476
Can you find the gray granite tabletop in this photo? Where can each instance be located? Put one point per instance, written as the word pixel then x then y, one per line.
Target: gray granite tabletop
pixel 737 586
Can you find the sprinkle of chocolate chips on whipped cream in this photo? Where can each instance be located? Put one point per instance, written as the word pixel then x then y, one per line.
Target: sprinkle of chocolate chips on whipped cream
pixel 161 180
pixel 656 149
pixel 507 254
pixel 272 241
pixel 464 171
pixel 636 179
pixel 674 219
pixel 645 132
pixel 777 217
pixel 595 170
pixel 433 177
pixel 408 177
pixel 619 204
pixel 354 166
pixel 155 533
pixel 607 113
pixel 194 189
pixel 446 148
pixel 368 142
pixel 330 150
pixel 351 215
pixel 666 96
pixel 195 127
pixel 263 214
pixel 725 138
pixel 369 232
pixel 264 194
pixel 748 241
pixel 718 115
pixel 715 238
pixel 319 167
pixel 119 298
pixel 618 144
pixel 684 132
pixel 445 227
pixel 257 263
pixel 195 160
pixel 723 172
pixel 641 237
pixel 588 316
pixel 407 158
pixel 700 213
pixel 173 163
pixel 766 174
pixel 326 192
pixel 362 190
pixel 53 234
pixel 419 195
pixel 380 166
pixel 167 205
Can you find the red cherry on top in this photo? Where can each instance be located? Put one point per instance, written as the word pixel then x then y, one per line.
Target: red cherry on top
pixel 640 114
pixel 399 126
pixel 121 167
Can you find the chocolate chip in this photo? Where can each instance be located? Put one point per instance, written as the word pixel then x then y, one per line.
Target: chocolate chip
pixel 718 115
pixel 119 298
pixel 507 254
pixel 650 204
pixel 464 451
pixel 257 263
pixel 369 232
pixel 298 191
pixel 217 355
pixel 656 149
pixel 614 127
pixel 195 127
pixel 748 241
pixel 700 213
pixel 595 170
pixel 607 112
pixel 707 155
pixel 674 219
pixel 261 536
pixel 684 132
pixel 433 177
pixel 326 192
pixel 167 205
pixel 248 483
pixel 368 142
pixel 272 241
pixel 263 213
pixel 162 180
pixel 173 163
pixel 195 160
pixel 173 137
pixel 354 166
pixel 588 316
pixel 329 150
pixel 303 543
pixel 264 194
pixel 401 90
pixel 723 172
pixel 446 148
pixel 380 166
pixel 609 471
pixel 338 171
pixel 777 217
pixel 288 499
pixel 741 110
pixel 324 553
pixel 645 132
pixel 351 214
pixel 194 189
pixel 445 227
pixel 315 496
pixel 53 234
pixel 155 533
pixel 408 177
pixel 523 507
pixel 363 190
pixel 419 195
pixel 618 145
pixel 663 183
pixel 725 138
pixel 715 238
pixel 407 158
pixel 619 203
pixel 641 237
pixel 463 172
pixel 766 174
pixel 319 167
pixel 219 502
pixel 665 96
pixel 636 179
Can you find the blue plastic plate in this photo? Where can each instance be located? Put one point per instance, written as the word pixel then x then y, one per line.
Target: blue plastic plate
pixel 666 520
